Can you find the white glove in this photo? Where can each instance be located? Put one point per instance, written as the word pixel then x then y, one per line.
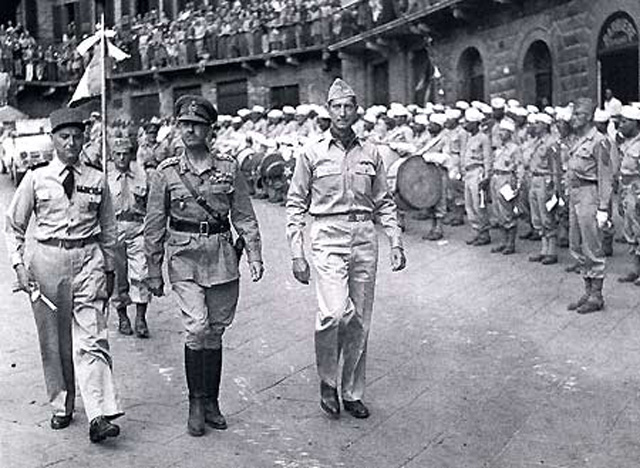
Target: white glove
pixel 601 218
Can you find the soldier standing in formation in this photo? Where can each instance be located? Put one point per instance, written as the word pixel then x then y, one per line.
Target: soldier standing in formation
pixel 629 184
pixel 341 181
pixel 128 186
pixel 476 161
pixel 504 179
pixel 72 265
pixel 590 184
pixel 200 193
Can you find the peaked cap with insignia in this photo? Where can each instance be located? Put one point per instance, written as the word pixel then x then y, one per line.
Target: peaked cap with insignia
pixel 195 109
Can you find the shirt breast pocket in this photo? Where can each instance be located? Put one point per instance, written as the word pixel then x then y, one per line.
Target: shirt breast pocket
pixel 328 178
pixel 46 200
pixel 364 174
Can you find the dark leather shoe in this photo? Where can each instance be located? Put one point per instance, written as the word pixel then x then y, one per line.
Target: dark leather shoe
pixel 60 422
pixel 329 401
pixel 100 429
pixel 357 409
pixel 549 260
pixel 124 326
pixel 142 330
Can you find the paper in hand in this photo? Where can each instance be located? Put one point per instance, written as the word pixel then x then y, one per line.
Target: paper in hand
pixel 507 192
pixel 552 202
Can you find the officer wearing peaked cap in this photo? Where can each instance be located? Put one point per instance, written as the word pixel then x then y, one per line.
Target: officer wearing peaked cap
pixel 194 198
pixel 72 263
pixel 340 180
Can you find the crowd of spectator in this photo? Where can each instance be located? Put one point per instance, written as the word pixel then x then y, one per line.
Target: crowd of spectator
pixel 217 31
pixel 233 29
pixel 24 59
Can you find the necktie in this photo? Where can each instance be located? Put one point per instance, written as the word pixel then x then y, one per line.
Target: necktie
pixel 69 182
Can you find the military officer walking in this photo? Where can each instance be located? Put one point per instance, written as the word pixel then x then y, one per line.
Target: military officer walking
pixel 72 265
pixel 590 184
pixel 194 198
pixel 341 181
pixel 128 185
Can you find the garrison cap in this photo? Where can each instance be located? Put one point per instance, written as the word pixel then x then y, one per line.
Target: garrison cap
pixel 66 117
pixel 507 124
pixel 340 89
pixel 121 144
pixel 195 109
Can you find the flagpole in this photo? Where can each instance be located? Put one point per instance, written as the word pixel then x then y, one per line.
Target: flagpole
pixel 103 89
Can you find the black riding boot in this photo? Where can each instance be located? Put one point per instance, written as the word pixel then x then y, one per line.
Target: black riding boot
pixel 212 374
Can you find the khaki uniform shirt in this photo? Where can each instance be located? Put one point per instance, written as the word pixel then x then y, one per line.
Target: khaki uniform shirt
pixel 129 192
pixel 329 180
pixel 89 213
pixel 207 260
pixel 506 157
pixel 147 155
pixel 590 160
pixel 630 161
pixel 477 151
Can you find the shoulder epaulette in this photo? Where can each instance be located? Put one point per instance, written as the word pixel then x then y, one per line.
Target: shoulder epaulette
pixel 39 165
pixel 172 161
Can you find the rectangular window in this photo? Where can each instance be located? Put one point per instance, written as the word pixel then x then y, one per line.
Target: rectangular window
pixel 381 83
pixel 232 96
pixel 144 107
pixel 285 96
pixel 179 91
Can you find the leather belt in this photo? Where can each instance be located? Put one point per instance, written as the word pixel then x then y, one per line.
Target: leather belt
pixel 471 167
pixel 70 243
pixel 204 228
pixel 129 216
pixel 353 217
pixel 540 174
pixel 577 183
pixel 499 172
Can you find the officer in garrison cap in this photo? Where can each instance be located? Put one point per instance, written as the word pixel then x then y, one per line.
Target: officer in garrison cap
pixel 340 180
pixel 128 186
pixel 72 264
pixel 149 154
pixel 194 198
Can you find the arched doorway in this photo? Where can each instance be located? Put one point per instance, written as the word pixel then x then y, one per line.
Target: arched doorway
pixel 471 73
pixel 537 76
pixel 618 57
pixel 8 12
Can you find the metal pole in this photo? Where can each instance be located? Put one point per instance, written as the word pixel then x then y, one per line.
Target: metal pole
pixel 103 89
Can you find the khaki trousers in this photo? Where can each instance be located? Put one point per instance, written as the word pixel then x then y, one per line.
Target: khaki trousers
pixel 585 240
pixel 74 339
pixel 345 256
pixel 476 214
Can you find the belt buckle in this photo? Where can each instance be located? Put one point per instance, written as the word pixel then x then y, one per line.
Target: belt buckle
pixel 353 217
pixel 204 228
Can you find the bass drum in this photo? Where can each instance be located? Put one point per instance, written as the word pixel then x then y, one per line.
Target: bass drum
pixel 416 183
pixel 272 166
pixel 250 167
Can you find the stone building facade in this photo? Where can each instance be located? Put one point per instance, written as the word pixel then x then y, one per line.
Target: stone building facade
pixel 537 51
